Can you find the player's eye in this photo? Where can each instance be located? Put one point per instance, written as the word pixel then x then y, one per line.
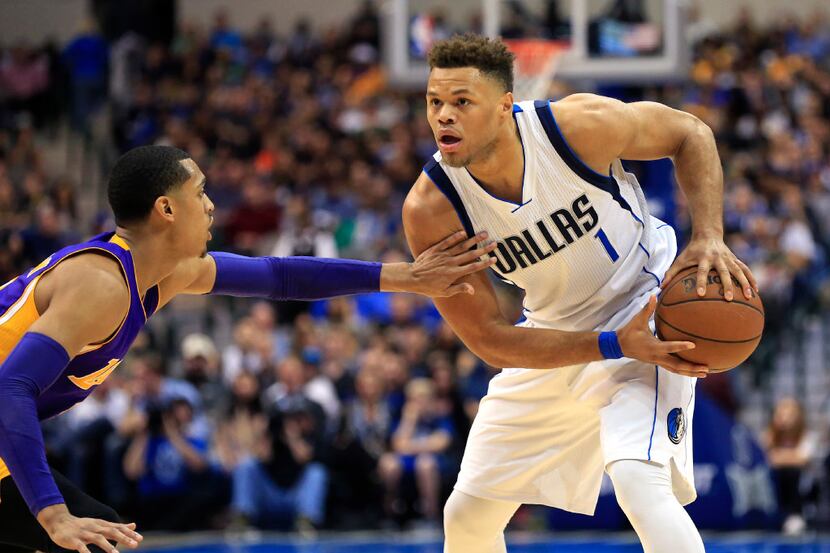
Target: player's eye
pixel 435 102
pixel 463 102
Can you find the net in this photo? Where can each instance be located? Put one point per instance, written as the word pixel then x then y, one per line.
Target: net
pixel 535 65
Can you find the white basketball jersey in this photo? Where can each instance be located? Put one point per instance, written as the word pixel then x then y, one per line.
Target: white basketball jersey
pixel 578 244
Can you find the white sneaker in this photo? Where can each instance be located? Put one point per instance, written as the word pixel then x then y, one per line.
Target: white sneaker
pixel 794 525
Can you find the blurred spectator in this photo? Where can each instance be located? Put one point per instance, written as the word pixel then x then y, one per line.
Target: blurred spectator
pixel 200 369
pixel 362 439
pixel 286 487
pixel 790 449
pixel 420 441
pixel 86 57
pixel 241 429
pixel 177 489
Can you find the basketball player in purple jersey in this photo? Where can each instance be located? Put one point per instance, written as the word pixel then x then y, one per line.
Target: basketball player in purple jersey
pixel 67 323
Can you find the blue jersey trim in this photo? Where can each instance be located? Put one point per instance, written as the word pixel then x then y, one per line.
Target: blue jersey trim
pixel 652 274
pixel 437 175
pixel 557 140
pixel 517 108
pixel 654 420
pixel 644 249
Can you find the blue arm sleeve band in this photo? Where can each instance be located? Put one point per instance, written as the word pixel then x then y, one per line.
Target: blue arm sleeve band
pixel 293 278
pixel 609 345
pixel 32 367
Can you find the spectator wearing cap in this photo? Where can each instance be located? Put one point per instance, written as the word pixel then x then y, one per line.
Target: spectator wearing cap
pixel 200 369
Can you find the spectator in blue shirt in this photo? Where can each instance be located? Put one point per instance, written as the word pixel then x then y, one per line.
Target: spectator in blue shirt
pixel 420 442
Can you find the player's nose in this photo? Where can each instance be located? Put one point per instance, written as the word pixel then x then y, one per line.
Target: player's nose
pixel 446 115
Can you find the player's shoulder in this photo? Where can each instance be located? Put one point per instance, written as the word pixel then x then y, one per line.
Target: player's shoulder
pixel 92 280
pixel 425 199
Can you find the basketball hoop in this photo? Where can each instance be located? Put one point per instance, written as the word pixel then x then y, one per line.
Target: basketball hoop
pixel 535 65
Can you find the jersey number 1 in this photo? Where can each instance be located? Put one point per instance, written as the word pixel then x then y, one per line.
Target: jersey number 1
pixel 609 248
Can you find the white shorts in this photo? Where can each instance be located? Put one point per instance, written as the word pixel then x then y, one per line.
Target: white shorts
pixel 546 436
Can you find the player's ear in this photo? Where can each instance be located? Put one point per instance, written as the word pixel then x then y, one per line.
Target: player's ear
pixel 164 207
pixel 506 104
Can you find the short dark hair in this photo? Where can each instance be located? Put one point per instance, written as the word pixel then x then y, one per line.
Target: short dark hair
pixel 142 175
pixel 488 55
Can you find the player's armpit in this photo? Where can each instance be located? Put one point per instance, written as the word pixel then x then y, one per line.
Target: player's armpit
pixel 191 276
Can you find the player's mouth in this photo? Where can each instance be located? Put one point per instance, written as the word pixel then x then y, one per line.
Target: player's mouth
pixel 449 141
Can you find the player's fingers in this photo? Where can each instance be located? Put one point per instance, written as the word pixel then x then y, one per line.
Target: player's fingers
pixel 669 275
pixel 468 256
pixel 471 268
pixel 725 280
pixel 679 366
pixel 673 347
pixel 448 242
pixel 748 273
pixel 118 535
pixel 467 244
pixel 463 288
pixel 80 547
pixel 95 538
pixel 128 529
pixel 738 272
pixel 702 276
pixel 648 310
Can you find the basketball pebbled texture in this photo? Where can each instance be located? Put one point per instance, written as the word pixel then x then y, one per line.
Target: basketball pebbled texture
pixel 724 333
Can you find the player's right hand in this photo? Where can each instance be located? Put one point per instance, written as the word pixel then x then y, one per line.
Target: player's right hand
pixel 638 342
pixel 437 270
pixel 75 533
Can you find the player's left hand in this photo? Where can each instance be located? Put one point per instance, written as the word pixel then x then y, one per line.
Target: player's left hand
pixel 713 253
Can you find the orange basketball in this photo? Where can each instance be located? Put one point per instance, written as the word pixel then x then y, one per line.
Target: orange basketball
pixel 725 333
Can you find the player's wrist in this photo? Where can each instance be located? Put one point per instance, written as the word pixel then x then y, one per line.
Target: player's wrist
pixel 609 345
pixel 50 515
pixel 397 277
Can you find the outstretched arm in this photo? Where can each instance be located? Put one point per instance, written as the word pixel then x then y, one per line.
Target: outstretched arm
pixel 434 273
pixel 601 130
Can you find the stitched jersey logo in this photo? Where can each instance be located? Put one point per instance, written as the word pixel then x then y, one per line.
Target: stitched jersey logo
pixel 96 378
pixel 676 424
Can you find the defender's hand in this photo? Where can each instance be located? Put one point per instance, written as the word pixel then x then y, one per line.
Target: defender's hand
pixel 437 270
pixel 76 533
pixel 713 253
pixel 637 342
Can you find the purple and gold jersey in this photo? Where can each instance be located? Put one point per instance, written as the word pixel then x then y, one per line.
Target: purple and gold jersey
pixel 95 362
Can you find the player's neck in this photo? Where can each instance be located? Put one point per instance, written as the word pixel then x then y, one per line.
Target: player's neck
pixel 151 257
pixel 501 170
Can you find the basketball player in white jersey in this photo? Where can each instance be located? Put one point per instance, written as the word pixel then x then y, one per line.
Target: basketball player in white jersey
pixel 596 390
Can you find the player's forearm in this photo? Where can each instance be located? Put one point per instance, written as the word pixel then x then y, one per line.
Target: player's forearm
pixel 699 174
pixel 293 278
pixel 535 348
pixel 29 369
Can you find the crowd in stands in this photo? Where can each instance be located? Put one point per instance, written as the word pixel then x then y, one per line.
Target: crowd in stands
pixel 238 412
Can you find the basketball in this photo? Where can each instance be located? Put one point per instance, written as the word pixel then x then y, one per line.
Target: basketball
pixel 725 333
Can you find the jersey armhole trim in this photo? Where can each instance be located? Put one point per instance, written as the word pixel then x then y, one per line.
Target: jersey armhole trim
pixel 100 251
pixel 440 179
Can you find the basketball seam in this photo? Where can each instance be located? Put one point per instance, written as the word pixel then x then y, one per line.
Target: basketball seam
pixel 734 302
pixel 705 338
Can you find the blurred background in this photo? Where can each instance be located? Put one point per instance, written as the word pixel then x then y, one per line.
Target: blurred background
pixel 240 417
